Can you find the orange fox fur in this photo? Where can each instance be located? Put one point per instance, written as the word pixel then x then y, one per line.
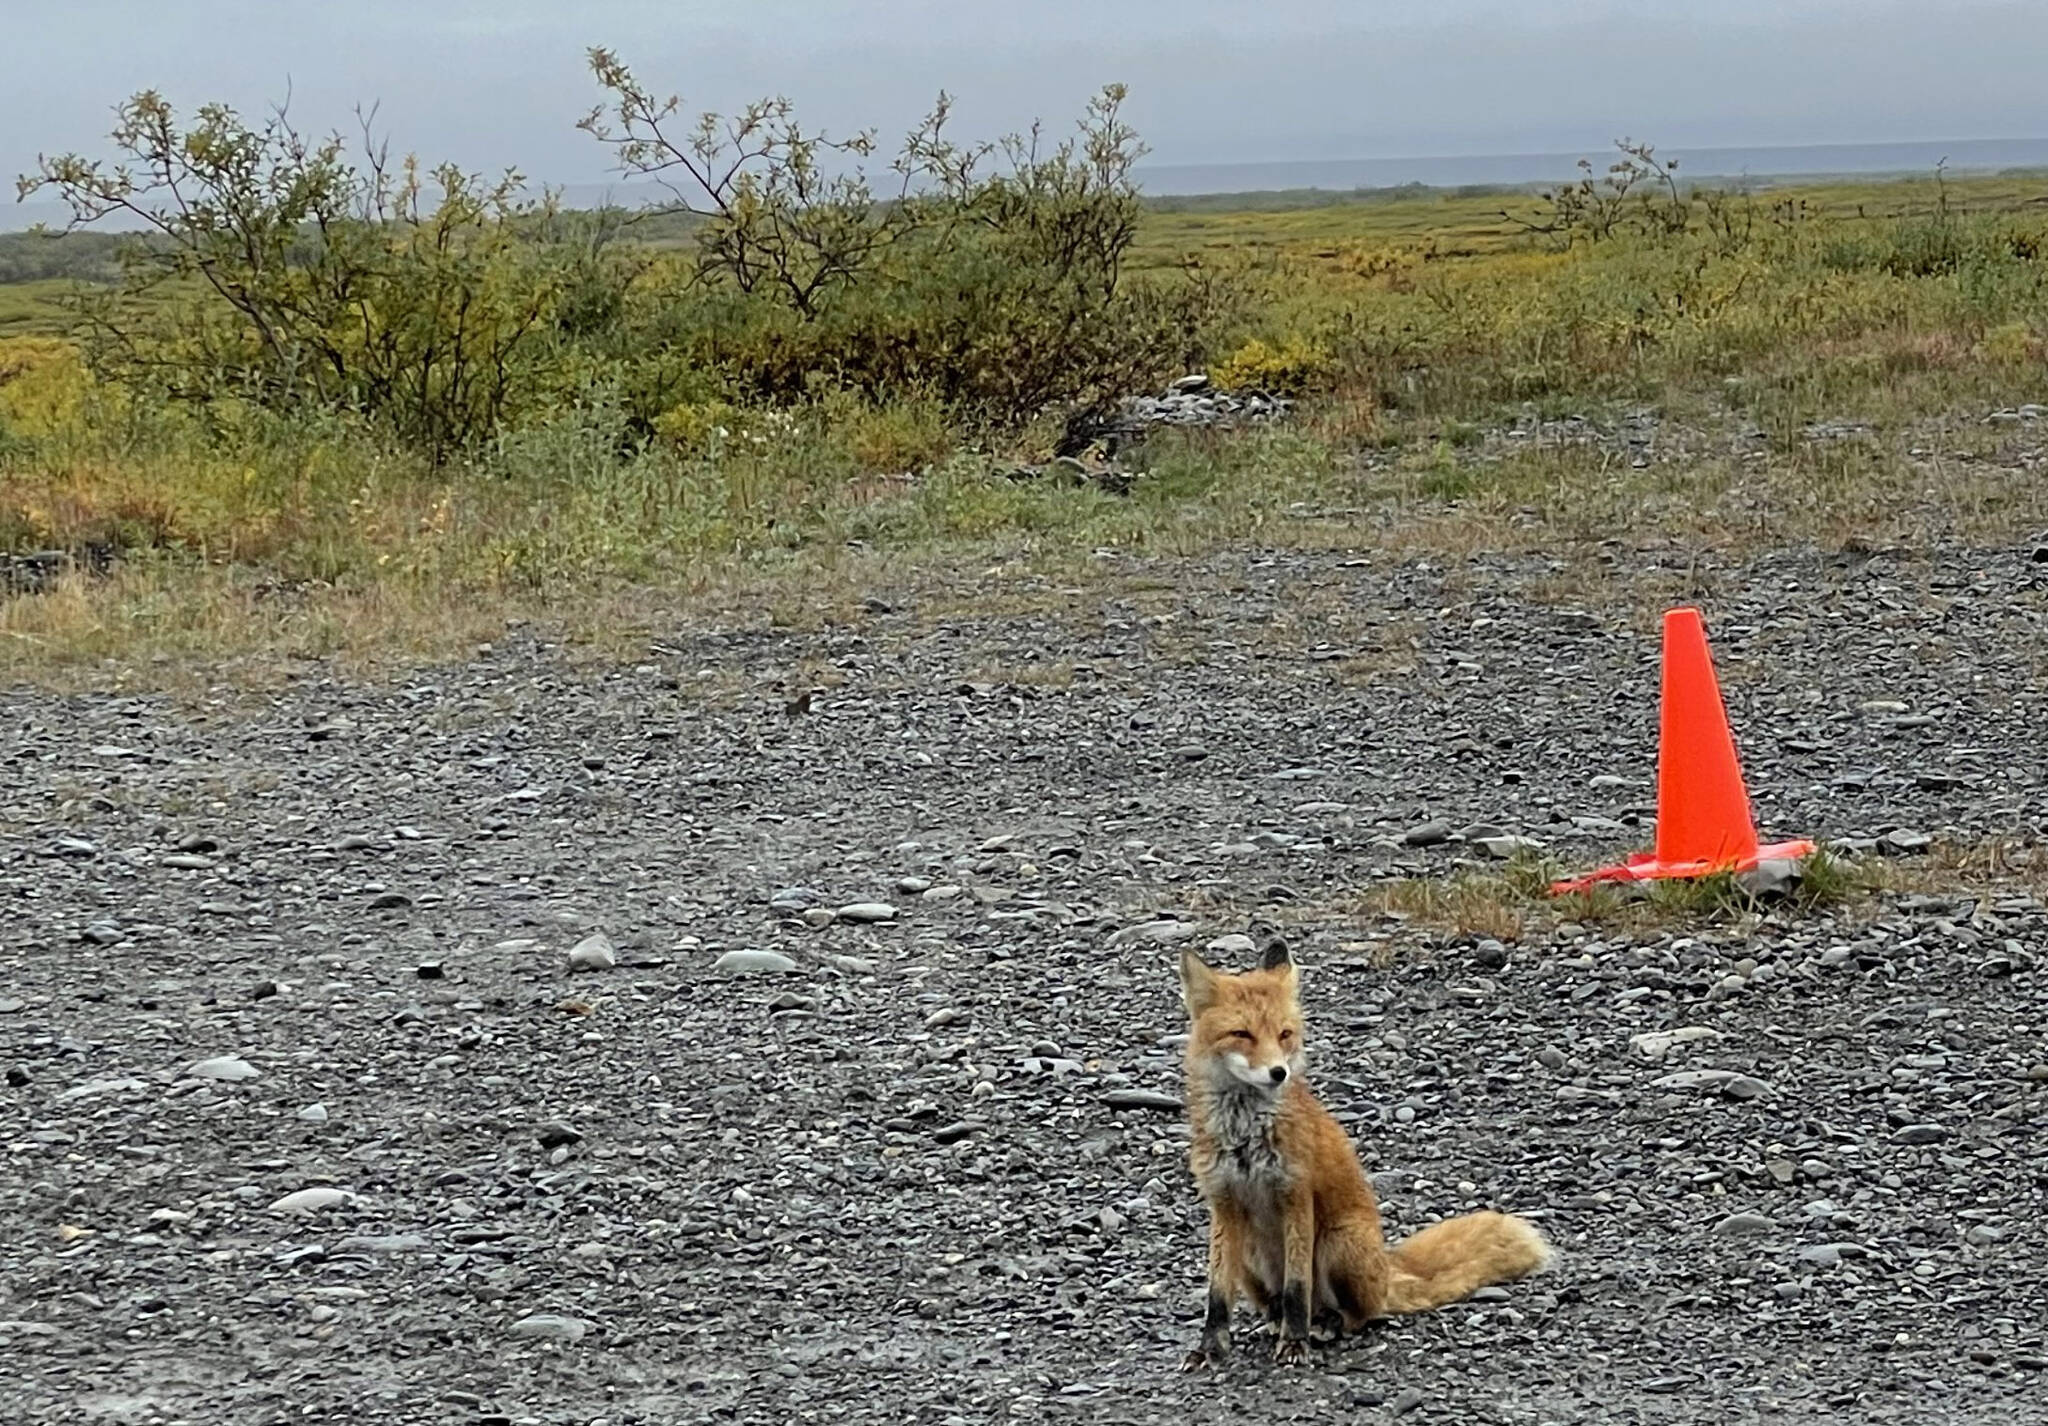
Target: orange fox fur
pixel 1293 1222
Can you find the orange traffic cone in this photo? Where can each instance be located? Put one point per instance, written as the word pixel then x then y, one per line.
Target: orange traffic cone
pixel 1703 817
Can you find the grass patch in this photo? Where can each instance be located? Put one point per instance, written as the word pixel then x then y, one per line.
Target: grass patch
pixel 1515 902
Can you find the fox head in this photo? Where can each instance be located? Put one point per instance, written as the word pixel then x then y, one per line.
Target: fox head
pixel 1247 1027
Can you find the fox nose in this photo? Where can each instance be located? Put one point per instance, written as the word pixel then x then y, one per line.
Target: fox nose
pixel 1279 1073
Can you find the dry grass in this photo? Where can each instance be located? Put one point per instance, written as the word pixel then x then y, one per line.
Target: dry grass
pixel 1513 903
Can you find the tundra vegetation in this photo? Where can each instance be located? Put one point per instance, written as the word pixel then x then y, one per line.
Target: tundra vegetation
pixel 326 394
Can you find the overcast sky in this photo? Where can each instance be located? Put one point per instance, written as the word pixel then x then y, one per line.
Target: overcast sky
pixel 492 83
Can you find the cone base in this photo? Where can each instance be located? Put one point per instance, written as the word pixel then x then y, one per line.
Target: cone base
pixel 1646 867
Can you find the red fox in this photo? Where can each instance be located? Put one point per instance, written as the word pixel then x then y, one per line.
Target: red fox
pixel 1293 1222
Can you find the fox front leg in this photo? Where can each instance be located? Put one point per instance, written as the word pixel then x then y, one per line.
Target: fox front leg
pixel 1222 1288
pixel 1298 1241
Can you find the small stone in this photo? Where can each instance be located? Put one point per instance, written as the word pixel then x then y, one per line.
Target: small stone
pixel 228 1068
pixel 754 963
pixel 794 900
pixel 555 1132
pixel 1655 1044
pixel 867 912
pixel 1140 1099
pixel 1773 876
pixel 547 1327
pixel 1430 834
pixel 913 885
pixel 1164 933
pixel 593 952
pixel 1983 1235
pixel 314 1114
pixel 10 1006
pixel 1490 955
pixel 1743 1088
pixel 953 1133
pixel 101 933
pixel 430 970
pixel 1551 1059
pixel 187 861
pixel 1920 1134
pixel 1410 1398
pixel 819 917
pixel 938 1019
pixel 1743 1225
pixel 312 1200
pixel 1901 840
pixel 1234 944
pixel 386 1243
pixel 391 901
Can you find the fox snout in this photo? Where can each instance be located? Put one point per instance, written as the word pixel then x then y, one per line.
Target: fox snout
pixel 1259 1076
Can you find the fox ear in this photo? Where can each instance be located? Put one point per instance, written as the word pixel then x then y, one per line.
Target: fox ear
pixel 1197 983
pixel 1276 955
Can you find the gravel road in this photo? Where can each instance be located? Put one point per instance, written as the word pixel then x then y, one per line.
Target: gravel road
pixel 540 1041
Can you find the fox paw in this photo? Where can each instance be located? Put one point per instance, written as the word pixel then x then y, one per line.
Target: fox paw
pixel 1195 1360
pixel 1290 1352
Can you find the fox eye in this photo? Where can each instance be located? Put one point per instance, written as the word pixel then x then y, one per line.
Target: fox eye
pixel 1240 1035
pixel 1286 1037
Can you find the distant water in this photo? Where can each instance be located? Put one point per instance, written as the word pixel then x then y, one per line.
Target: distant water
pixel 1343 175
pixel 1970 155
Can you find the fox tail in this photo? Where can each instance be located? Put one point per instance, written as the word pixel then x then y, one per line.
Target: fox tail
pixel 1451 1260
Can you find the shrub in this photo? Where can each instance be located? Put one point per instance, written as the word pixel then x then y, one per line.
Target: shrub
pixel 1294 368
pixel 286 274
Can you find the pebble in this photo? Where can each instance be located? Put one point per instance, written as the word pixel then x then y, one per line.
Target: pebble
pixel 1140 1099
pixel 593 952
pixel 953 1133
pixel 1744 1225
pixel 547 1327
pixel 1165 933
pixel 314 1114
pixel 1920 1134
pixel 754 963
pixel 229 1068
pixel 312 1200
pixel 1234 944
pixel 1429 834
pixel 867 912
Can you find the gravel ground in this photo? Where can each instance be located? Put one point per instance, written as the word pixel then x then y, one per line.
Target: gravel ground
pixel 531 1041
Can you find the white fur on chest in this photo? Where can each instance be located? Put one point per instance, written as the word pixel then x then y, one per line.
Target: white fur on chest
pixel 1244 1162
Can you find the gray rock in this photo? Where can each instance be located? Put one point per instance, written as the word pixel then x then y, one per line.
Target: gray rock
pixel 1429 834
pixel 754 963
pixel 867 912
pixel 1772 876
pixel 1234 944
pixel 229 1068
pixel 1919 1134
pixel 548 1327
pixel 1140 1099
pixel 593 952
pixel 1744 1225
pixel 313 1200
pixel 1164 933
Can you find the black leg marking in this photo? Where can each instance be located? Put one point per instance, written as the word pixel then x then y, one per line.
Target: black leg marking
pixel 1294 1310
pixel 1293 1344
